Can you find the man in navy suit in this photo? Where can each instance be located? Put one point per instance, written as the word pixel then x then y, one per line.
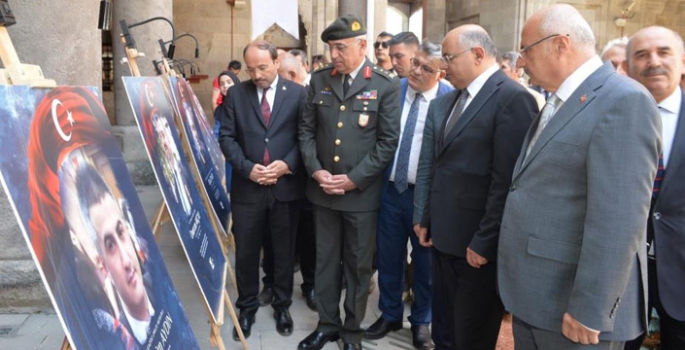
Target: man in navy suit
pixel 258 136
pixel 655 58
pixel 395 223
pixel 477 133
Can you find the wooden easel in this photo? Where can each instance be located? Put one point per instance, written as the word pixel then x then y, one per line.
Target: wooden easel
pixel 162 216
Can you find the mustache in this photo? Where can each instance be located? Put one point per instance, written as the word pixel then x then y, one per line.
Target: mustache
pixel 653 71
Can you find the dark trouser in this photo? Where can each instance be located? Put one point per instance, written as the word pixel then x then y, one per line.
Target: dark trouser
pixel 672 331
pixel 469 297
pixel 250 222
pixel 306 246
pixel 349 237
pixel 267 261
pixel 527 337
pixel 395 227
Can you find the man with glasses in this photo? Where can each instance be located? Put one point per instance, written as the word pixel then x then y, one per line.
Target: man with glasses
pixel 258 136
pixel 572 257
pixel 382 52
pixel 507 62
pixel 348 136
pixel 402 49
pixel 395 223
pixel 477 132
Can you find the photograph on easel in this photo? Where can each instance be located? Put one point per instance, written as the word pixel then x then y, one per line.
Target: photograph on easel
pixel 155 117
pixel 205 150
pixel 85 226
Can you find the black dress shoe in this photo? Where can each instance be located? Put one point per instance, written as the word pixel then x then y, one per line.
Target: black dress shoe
pixel 309 298
pixel 350 346
pixel 245 325
pixel 316 340
pixel 266 296
pixel 284 323
pixel 421 337
pixel 380 328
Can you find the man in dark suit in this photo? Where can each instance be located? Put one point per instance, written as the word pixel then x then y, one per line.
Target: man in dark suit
pixel 348 136
pixel 655 59
pixel 572 257
pixel 474 152
pixel 258 137
pixel 395 224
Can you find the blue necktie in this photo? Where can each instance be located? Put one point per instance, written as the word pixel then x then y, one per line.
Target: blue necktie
pixel 402 166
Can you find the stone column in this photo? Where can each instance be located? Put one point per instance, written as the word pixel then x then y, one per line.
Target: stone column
pixel 67 47
pixel 146 37
pixel 434 25
pixel 354 7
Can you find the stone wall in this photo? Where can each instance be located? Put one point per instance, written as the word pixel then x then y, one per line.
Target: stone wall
pixel 68 49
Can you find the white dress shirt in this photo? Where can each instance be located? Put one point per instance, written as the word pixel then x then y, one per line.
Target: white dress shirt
pixel 571 84
pixel 475 87
pixel 417 140
pixel 669 109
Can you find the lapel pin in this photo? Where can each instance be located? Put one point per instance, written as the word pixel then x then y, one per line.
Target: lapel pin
pixel 583 98
pixel 284 88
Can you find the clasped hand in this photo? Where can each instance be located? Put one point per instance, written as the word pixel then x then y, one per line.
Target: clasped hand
pixel 333 184
pixel 268 175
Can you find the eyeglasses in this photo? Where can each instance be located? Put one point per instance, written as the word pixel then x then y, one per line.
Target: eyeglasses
pixel 416 64
pixel 342 47
pixel 383 44
pixel 525 49
pixel 447 58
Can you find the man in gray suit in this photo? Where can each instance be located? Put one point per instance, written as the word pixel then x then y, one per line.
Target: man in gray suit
pixel 572 257
pixel 655 59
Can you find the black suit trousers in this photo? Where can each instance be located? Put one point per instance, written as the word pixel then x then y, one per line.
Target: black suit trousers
pixel 469 299
pixel 250 223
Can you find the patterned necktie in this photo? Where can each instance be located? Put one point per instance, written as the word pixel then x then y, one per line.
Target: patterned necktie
pixel 346 84
pixel 659 176
pixel 266 115
pixel 461 102
pixel 402 166
pixel 545 117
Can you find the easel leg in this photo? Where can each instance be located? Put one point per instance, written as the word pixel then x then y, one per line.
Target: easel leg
pixel 65 344
pixel 234 318
pixel 160 218
pixel 215 336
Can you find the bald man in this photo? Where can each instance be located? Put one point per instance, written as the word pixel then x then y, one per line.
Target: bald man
pixel 572 257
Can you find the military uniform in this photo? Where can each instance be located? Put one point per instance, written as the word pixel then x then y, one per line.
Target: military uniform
pixel 354 134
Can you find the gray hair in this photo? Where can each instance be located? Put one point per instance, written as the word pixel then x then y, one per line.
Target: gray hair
pixel 431 49
pixel 471 38
pixel 566 20
pixel 290 62
pixel 511 57
pixel 618 42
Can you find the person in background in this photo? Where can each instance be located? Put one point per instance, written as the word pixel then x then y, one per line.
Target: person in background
pixel 301 57
pixel 507 62
pixel 235 66
pixel 615 52
pixel 227 79
pixel 318 61
pixel 402 49
pixel 217 96
pixel 382 51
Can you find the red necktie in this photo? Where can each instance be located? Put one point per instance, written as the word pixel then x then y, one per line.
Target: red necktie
pixel 266 114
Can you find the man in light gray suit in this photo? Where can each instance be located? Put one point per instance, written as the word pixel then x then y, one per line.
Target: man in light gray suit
pixel 655 58
pixel 572 257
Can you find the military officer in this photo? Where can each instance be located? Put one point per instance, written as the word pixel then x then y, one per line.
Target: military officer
pixel 348 135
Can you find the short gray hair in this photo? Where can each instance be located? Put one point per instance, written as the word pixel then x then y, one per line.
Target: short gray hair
pixel 431 49
pixel 471 38
pixel 618 42
pixel 566 20
pixel 511 57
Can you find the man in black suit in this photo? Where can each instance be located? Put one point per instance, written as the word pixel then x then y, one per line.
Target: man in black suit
pixel 475 150
pixel 655 59
pixel 258 137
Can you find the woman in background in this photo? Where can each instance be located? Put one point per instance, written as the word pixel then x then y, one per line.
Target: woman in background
pixel 226 80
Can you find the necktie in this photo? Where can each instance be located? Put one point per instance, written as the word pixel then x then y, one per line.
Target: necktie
pixel 266 115
pixel 659 176
pixel 346 84
pixel 545 117
pixel 458 109
pixel 402 166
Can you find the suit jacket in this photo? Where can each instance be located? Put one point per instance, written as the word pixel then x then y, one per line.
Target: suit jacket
pixel 404 86
pixel 244 136
pixel 667 219
pixel 355 134
pixel 573 232
pixel 472 167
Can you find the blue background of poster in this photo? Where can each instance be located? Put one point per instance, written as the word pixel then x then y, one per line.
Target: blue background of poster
pixel 60 273
pixel 204 148
pixel 200 243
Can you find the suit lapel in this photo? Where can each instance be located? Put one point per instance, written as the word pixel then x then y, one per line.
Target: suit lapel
pixel 677 150
pixel 253 96
pixel 335 82
pixel 281 92
pixel 404 85
pixel 577 102
pixel 481 98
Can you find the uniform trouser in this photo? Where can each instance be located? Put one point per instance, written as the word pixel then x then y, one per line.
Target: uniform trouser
pixel 395 227
pixel 306 247
pixel 250 222
pixel 672 331
pixel 349 237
